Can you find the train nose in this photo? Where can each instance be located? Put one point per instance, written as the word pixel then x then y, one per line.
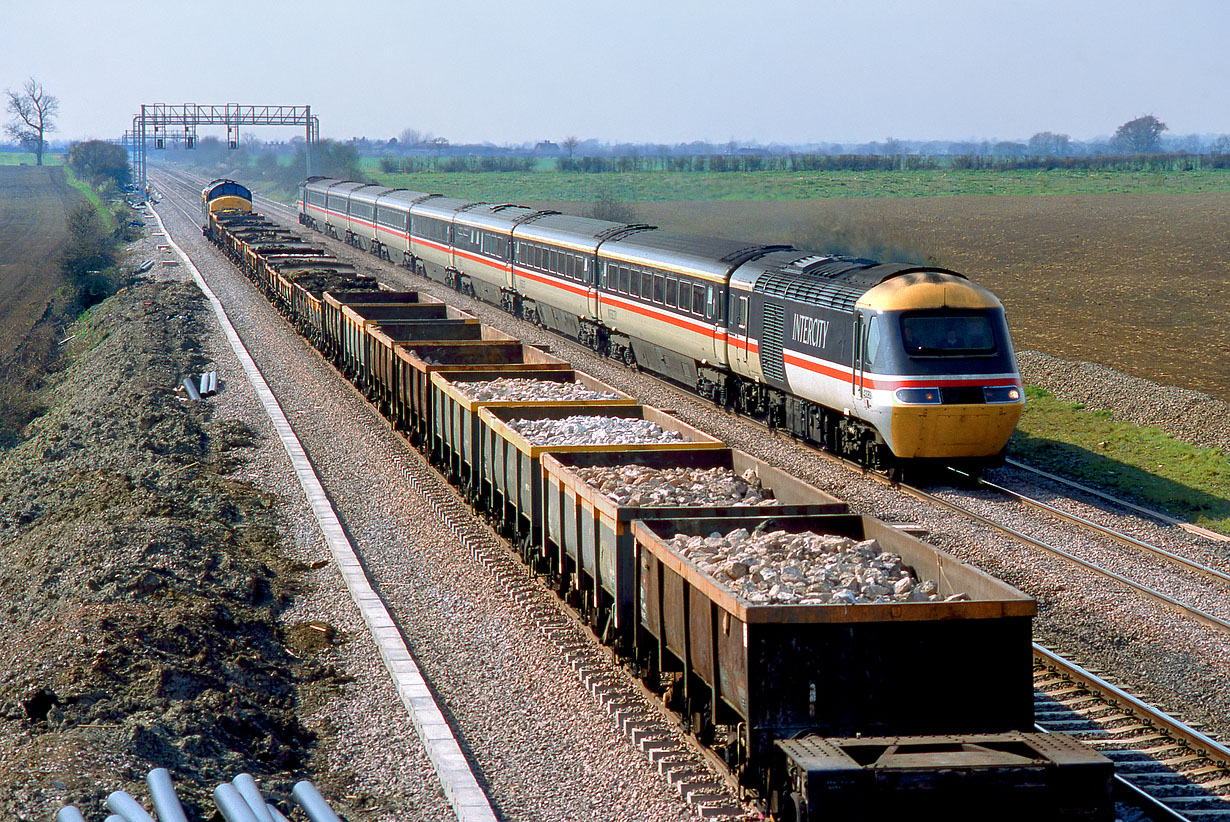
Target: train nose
pixel 949 431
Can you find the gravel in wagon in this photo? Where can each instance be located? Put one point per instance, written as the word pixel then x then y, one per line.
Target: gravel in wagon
pixel 781 568
pixel 581 429
pixel 646 486
pixel 516 389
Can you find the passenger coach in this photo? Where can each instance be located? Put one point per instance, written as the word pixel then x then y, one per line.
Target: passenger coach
pixel 878 362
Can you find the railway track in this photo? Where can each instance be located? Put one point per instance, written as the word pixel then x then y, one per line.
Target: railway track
pixel 1121 503
pixel 1161 757
pixel 1164 765
pixel 1219 621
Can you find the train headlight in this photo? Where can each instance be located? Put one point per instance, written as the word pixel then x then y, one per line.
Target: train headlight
pixel 919 396
pixel 1002 393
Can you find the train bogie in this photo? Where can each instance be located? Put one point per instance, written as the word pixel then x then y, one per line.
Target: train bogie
pixel 1016 777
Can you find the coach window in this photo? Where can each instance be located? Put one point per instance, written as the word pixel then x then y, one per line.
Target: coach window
pixel 570 267
pixel 646 286
pixel 634 287
pixel 711 304
pixel 741 312
pixel 698 300
pixel 672 291
pixel 873 341
pixel 659 288
pixel 583 270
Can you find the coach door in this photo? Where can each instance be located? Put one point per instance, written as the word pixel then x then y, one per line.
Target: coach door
pixel 866 340
pixel 736 337
pixel 856 375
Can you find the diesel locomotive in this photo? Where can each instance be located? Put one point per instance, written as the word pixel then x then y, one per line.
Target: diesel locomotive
pixel 888 364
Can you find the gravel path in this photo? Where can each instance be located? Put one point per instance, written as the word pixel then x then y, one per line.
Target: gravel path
pixel 1182 666
pixel 545 746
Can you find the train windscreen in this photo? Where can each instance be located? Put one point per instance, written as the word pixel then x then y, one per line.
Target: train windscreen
pixel 947 335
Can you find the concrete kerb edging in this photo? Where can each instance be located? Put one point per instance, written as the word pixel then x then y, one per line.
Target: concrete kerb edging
pixel 469 802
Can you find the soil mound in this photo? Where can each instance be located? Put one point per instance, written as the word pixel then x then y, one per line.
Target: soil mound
pixel 142 580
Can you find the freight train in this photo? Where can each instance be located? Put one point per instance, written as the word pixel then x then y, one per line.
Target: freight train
pixel 887 364
pixel 820 709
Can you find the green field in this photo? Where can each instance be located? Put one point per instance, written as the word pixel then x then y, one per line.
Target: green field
pixel 26 158
pixel 660 186
pixel 1143 464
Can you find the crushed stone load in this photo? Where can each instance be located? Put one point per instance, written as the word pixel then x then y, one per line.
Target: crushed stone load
pixel 524 389
pixel 583 429
pixel 644 485
pixel 780 568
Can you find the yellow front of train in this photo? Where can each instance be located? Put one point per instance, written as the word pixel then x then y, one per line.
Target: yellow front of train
pixel 940 367
pixel 224 195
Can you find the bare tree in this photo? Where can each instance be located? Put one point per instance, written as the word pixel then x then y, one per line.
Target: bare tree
pixel 409 137
pixel 33 110
pixel 570 145
pixel 1140 136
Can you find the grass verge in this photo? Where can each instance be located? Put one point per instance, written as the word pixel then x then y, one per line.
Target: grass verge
pixel 1146 465
pixel 90 193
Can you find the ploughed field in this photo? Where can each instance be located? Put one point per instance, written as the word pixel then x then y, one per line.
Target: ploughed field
pixel 1138 282
pixel 34 205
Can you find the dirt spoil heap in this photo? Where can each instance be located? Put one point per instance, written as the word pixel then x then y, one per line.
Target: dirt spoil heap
pixel 140 580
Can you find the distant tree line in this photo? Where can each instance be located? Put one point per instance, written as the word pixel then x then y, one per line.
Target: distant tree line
pixel 422 165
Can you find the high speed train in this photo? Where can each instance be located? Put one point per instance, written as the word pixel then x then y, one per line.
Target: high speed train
pixel 888 364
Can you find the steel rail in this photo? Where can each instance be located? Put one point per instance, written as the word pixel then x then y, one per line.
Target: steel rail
pixel 1111 533
pixel 1203 617
pixel 1131 506
pixel 1163 723
pixel 1209 748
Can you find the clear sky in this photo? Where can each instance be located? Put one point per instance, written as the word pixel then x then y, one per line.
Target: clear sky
pixel 638 70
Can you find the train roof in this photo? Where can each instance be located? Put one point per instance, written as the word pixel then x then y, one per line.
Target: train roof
pixel 344 188
pixel 402 198
pixel 708 257
pixel 442 208
pixel 224 187
pixel 496 216
pixel 577 233
pixel 834 281
pixel 369 193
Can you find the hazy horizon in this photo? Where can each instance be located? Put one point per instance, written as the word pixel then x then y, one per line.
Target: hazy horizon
pixel 788 72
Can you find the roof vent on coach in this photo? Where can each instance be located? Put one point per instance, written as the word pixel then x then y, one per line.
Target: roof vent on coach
pixel 826 265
